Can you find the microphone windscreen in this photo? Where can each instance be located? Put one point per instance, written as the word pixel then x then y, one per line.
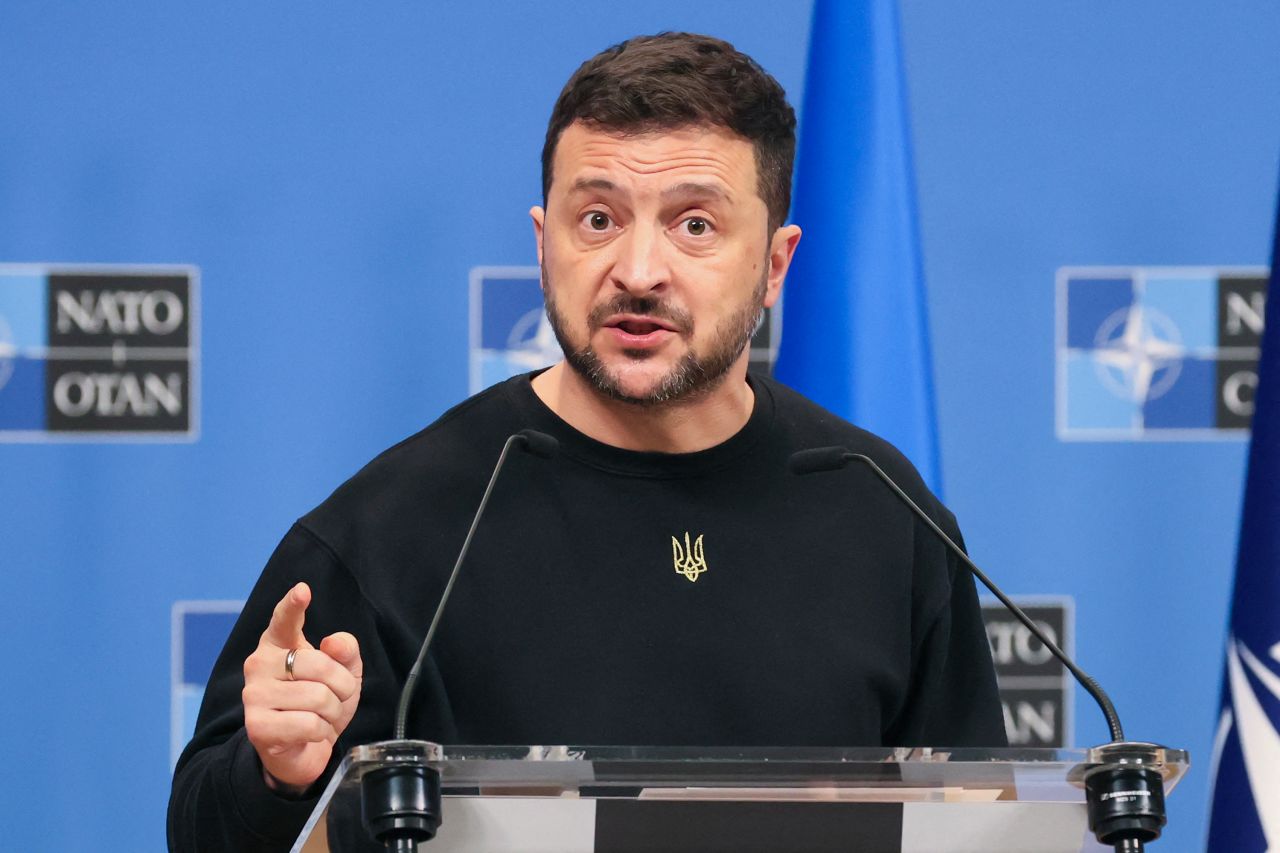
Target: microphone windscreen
pixel 819 459
pixel 539 443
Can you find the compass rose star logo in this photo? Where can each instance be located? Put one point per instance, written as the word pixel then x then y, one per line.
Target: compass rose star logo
pixel 1139 353
pixel 532 342
pixel 1252 712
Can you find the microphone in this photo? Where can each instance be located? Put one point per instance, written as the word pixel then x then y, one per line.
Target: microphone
pixel 817 459
pixel 1125 798
pixel 401 805
pixel 537 443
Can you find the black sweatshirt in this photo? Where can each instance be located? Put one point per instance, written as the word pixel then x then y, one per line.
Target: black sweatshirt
pixel 812 611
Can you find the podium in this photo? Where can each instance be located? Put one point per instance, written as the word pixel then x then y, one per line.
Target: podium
pixel 782 800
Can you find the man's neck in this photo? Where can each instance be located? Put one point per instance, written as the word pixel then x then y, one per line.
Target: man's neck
pixel 682 427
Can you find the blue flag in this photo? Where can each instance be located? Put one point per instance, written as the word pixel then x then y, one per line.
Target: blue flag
pixel 855 335
pixel 1246 760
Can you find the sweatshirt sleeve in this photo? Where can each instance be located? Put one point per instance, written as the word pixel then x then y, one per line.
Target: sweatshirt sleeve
pixel 219 800
pixel 954 701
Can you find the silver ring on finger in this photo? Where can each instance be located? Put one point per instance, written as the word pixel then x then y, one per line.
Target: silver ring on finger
pixel 288 663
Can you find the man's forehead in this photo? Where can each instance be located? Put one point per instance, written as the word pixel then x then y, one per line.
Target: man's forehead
pixel 700 159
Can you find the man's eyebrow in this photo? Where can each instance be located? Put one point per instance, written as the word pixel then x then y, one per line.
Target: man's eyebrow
pixel 685 189
pixel 600 184
pixel 695 189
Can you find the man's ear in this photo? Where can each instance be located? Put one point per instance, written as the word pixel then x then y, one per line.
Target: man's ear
pixel 782 247
pixel 538 215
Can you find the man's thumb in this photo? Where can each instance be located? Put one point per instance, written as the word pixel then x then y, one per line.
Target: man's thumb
pixel 344 648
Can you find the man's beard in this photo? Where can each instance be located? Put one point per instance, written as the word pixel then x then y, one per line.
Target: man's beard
pixel 693 376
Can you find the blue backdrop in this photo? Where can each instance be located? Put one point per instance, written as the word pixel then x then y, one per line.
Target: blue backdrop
pixel 335 170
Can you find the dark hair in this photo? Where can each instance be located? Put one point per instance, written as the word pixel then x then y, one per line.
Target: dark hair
pixel 673 80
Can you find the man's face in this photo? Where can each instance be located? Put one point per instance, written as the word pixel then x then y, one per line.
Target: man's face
pixel 656 258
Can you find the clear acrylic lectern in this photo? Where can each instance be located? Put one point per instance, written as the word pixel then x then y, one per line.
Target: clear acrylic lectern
pixel 622 799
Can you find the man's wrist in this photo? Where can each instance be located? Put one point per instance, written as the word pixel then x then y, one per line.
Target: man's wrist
pixel 284 789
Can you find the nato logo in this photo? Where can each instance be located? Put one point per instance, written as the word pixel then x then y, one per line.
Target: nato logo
pixel 198 632
pixel 99 353
pixel 1037 693
pixel 510 333
pixel 1157 352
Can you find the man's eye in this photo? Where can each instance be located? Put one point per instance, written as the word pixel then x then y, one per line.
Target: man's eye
pixel 696 226
pixel 597 221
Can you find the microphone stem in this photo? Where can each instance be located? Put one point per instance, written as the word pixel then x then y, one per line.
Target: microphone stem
pixel 402 710
pixel 1095 690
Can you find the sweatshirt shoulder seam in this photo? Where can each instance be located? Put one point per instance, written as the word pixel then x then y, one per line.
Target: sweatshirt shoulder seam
pixel 333 555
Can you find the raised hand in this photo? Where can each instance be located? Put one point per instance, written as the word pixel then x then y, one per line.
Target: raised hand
pixel 294 717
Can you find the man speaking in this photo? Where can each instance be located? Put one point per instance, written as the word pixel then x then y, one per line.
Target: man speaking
pixel 665 578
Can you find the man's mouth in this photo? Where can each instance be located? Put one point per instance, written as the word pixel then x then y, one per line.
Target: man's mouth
pixel 637 330
pixel 638 327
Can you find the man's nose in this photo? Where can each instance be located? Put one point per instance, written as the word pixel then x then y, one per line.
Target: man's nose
pixel 640 266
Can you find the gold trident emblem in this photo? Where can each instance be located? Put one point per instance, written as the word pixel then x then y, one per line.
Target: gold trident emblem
pixel 688 559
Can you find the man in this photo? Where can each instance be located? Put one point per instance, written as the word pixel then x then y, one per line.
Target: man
pixel 664 579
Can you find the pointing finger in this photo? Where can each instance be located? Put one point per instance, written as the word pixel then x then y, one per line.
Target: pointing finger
pixel 285 630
